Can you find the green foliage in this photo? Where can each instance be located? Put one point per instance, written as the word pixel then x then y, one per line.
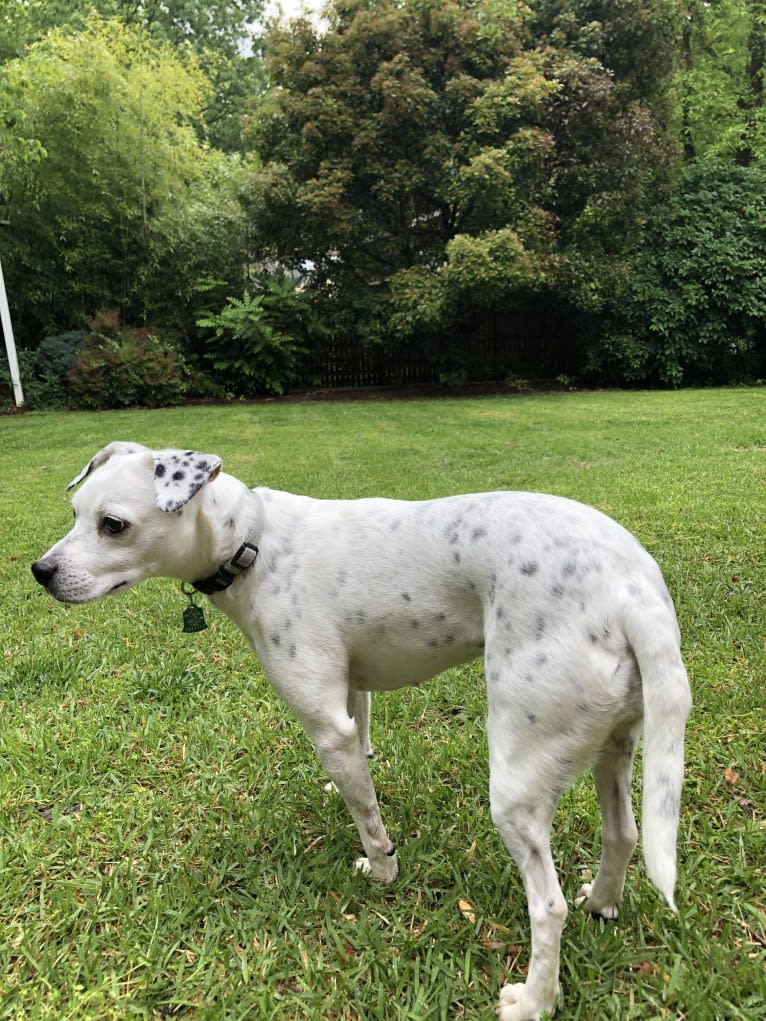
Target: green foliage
pixel 695 305
pixel 122 367
pixel 719 86
pixel 221 34
pixel 42 390
pixel 257 341
pixel 112 197
pixel 450 147
pixel 57 355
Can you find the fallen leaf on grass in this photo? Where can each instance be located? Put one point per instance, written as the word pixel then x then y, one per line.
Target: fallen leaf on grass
pixel 493 944
pixel 467 911
pixel 731 776
pixel 647 968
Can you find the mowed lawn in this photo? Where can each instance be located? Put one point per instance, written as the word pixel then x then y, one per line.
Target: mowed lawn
pixel 167 845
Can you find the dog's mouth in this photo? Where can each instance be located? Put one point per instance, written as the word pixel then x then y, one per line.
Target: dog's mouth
pixel 71 587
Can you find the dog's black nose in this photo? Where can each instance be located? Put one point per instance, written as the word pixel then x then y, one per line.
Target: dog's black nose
pixel 43 571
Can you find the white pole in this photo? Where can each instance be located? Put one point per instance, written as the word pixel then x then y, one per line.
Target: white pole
pixel 10 344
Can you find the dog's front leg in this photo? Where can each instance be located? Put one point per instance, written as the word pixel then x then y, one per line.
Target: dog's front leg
pixel 337 740
pixel 318 694
pixel 359 708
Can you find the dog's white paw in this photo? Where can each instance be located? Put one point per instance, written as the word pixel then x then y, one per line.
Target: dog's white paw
pixel 386 871
pixel 363 865
pixel 608 911
pixel 517 1004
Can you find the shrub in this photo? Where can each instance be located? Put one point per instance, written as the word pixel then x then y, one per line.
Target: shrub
pixel 122 366
pixel 43 372
pixel 695 306
pixel 56 355
pixel 258 341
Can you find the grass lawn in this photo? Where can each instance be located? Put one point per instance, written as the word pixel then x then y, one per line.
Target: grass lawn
pixel 167 847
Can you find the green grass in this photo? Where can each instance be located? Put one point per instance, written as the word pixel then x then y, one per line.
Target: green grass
pixel 167 848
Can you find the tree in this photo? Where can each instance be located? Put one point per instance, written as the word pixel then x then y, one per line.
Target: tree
pixel 423 158
pixel 695 305
pixel 125 206
pixel 720 87
pixel 220 32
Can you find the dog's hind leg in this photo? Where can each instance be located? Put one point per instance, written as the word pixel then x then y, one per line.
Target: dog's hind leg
pixel 523 799
pixel 612 773
pixel 524 824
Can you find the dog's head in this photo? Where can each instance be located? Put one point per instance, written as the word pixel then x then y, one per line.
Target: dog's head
pixel 126 514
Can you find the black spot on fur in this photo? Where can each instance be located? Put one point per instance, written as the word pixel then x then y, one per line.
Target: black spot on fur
pixel 159 471
pixel 529 567
pixel 179 476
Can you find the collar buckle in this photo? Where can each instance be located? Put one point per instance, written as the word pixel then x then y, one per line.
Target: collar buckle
pixel 244 557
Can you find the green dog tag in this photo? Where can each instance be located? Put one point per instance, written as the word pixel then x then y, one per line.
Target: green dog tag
pixel 194 618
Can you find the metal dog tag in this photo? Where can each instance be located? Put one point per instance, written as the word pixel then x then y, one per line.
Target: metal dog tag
pixel 194 616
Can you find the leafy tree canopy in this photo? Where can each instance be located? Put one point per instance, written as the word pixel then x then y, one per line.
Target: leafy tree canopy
pixel 220 32
pixel 435 155
pixel 695 305
pixel 112 197
pixel 720 85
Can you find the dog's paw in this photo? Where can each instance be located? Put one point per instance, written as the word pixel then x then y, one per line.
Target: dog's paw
pixel 363 865
pixel 609 912
pixel 517 1004
pixel 386 871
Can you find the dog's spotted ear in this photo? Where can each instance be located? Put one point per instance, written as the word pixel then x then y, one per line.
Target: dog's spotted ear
pixel 118 447
pixel 179 474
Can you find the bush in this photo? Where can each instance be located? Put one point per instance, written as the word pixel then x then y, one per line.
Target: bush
pixel 123 366
pixel 695 306
pixel 43 372
pixel 258 342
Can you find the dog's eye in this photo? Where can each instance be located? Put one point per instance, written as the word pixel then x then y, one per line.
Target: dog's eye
pixel 114 525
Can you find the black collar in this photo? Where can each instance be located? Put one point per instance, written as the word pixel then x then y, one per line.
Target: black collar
pixel 226 573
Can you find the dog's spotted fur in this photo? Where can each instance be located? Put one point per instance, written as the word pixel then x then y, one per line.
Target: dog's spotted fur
pixel 346 597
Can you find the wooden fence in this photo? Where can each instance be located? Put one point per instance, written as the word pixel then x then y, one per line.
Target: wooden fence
pixel 533 345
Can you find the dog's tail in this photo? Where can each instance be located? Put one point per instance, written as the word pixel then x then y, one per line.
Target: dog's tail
pixel 653 635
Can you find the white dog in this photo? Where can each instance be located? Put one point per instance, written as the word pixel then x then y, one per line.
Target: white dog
pixel 341 598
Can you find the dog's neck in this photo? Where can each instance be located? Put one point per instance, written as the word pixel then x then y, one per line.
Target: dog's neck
pixel 232 517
